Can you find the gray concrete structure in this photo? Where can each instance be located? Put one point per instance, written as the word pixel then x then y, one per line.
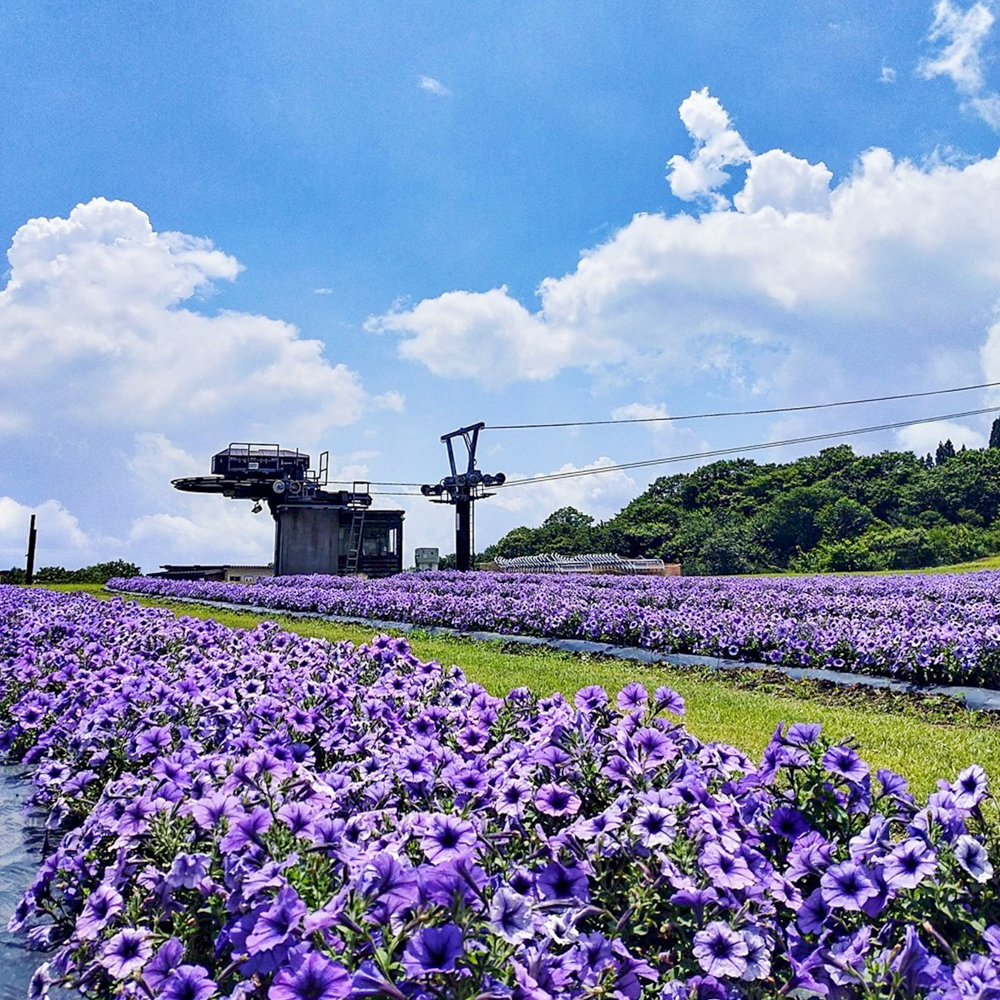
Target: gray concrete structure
pixel 306 539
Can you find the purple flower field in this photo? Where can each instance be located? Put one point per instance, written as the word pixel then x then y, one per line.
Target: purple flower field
pixel 253 814
pixel 942 628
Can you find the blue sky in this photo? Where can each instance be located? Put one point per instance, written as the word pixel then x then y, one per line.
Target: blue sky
pixel 357 226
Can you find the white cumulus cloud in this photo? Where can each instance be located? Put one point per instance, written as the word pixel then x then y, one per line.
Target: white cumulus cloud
pixel 816 289
pixel 778 180
pixel 924 438
pixel 960 36
pixel 479 334
pixel 61 541
pixel 717 145
pixel 93 330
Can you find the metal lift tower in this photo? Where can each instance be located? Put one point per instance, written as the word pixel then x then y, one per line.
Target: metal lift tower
pixel 462 489
pixel 316 530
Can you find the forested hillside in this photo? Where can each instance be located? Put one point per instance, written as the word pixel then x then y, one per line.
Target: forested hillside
pixel 826 512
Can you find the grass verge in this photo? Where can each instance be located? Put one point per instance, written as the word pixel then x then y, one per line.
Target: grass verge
pixel 921 737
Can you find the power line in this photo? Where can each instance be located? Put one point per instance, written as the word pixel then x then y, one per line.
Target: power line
pixel 742 413
pixel 719 452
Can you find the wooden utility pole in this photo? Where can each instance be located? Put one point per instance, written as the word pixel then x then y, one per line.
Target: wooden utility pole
pixel 29 573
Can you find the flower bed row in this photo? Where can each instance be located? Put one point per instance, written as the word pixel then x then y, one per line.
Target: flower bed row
pixel 257 814
pixel 925 629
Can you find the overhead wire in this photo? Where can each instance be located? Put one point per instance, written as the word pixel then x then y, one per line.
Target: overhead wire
pixel 742 413
pixel 740 449
pixel 715 453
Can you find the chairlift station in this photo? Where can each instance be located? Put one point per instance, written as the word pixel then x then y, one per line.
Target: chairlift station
pixel 316 530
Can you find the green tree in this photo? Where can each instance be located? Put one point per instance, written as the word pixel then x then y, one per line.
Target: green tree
pixel 517 542
pixel 944 452
pixel 789 523
pixel 844 518
pixel 566 531
pixel 995 434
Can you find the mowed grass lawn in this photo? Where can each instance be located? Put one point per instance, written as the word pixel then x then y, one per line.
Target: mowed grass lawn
pixel 923 744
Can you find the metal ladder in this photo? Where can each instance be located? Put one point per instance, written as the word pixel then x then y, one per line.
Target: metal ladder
pixel 356 535
pixel 354 541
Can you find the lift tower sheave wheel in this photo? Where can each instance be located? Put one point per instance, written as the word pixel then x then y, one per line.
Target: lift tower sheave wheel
pixel 462 489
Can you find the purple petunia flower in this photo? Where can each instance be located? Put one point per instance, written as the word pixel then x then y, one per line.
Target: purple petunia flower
pixel 590 698
pixel 368 981
pixel 847 886
pixel 653 747
pixel 433 950
pixel 135 817
pixel 846 958
pixel 510 915
pixel 298 817
pixel 188 870
pixel 803 734
pixel 153 741
pixel 759 945
pixel 845 762
pixel 631 697
pixel 246 829
pixel 654 826
pixel 604 823
pixel 38 985
pixel 207 812
pixel 457 878
pixel 163 963
pixel 385 878
pixel 559 882
pixel 667 699
pixel 447 837
pixel 472 738
pixel 311 977
pixel 512 796
pixel 554 799
pixel 276 924
pixel 917 968
pixel 726 870
pixel 188 982
pixel 127 952
pixel 909 864
pixel 720 950
pixel 972 856
pixel 788 822
pixel 595 952
pixel 810 855
pixel 104 903
pixel 976 977
pixel 872 841
pixel 970 787
pixel 813 913
pixel 894 785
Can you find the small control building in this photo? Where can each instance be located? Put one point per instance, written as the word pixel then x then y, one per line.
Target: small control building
pixel 426 559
